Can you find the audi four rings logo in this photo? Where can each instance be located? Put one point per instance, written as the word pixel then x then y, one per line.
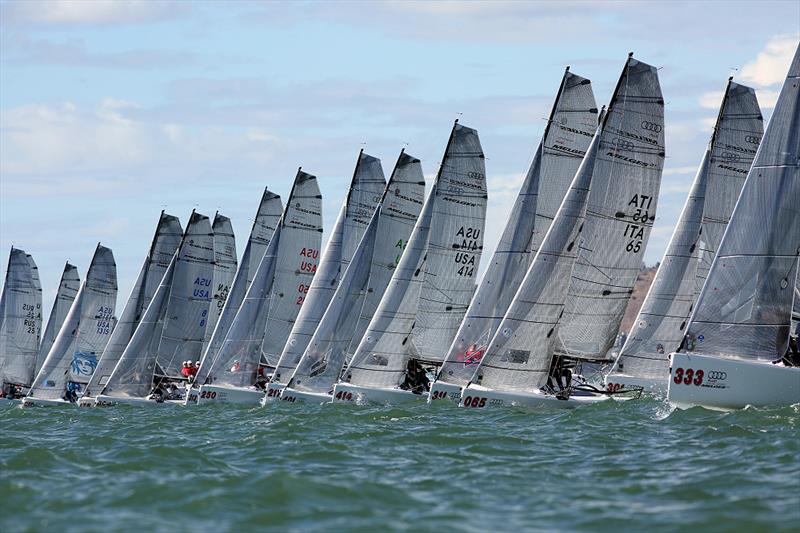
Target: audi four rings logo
pixel 730 156
pixel 714 374
pixel 753 139
pixel 623 144
pixel 651 126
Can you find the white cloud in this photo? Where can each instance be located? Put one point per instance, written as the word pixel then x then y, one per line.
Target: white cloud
pixel 89 12
pixel 711 99
pixel 771 64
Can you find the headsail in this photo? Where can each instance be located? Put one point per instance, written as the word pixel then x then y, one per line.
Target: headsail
pixel 744 309
pixel 433 284
pixel 365 280
pixel 363 196
pixel 619 215
pixel 659 328
pixel 165 242
pixel 569 130
pixel 20 304
pixel 67 289
pixel 83 336
pixel 224 271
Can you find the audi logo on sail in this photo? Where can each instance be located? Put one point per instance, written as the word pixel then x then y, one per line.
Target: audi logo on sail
pixel 651 126
pixel 753 139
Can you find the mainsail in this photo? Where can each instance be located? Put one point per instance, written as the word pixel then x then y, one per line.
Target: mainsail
pixel 744 309
pixel 165 242
pixel 20 304
pixel 276 291
pixel 83 335
pixel 365 280
pixel 434 282
pixel 224 271
pixel 659 328
pixel 363 196
pixel 619 216
pixel 567 135
pixel 267 219
pixel 67 289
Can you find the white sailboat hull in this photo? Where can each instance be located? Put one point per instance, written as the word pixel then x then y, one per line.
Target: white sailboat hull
pixel 27 401
pixel 441 390
pixel 108 401
pixel 728 384
pixel 273 392
pixel 87 401
pixel 615 382
pixel 475 396
pixel 296 396
pixel 347 392
pixel 215 394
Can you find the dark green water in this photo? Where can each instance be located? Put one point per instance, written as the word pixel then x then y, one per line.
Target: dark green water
pixel 614 467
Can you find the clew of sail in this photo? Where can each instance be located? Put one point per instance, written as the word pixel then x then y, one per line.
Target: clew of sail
pixel 224 271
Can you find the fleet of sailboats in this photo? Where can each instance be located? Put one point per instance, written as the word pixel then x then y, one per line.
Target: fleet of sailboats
pixel 393 310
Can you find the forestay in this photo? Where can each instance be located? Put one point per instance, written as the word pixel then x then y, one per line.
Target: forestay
pixel 569 130
pixel 67 289
pixel 365 280
pixel 20 305
pixel 165 242
pixel 83 335
pixel 431 288
pixel 237 361
pixel 363 196
pixel 620 213
pixel 267 219
pixel 744 309
pixel 659 328
pixel 224 271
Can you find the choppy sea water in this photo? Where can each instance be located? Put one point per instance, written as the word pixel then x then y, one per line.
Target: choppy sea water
pixel 615 467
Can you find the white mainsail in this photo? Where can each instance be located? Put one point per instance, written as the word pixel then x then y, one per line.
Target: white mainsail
pixel 67 289
pixel 165 242
pixel 276 291
pixel 659 327
pixel 83 335
pixel 434 282
pixel 744 309
pixel 365 279
pixel 224 271
pixel 569 130
pixel 20 304
pixel 267 219
pixel 364 193
pixel 619 215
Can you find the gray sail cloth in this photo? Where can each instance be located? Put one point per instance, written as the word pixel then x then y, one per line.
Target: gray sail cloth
pixel 165 242
pixel 67 289
pixel 84 333
pixel 519 355
pixel 434 282
pixel 570 128
pixel 296 266
pixel 224 270
pixel 133 375
pixel 744 309
pixel 619 216
pixel 366 188
pixel 365 280
pixel 659 327
pixel 291 248
pixel 189 298
pixel 267 219
pixel 20 304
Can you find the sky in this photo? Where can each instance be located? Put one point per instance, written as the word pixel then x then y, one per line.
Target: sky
pixel 111 111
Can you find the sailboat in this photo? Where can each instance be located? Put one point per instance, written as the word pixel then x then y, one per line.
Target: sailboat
pixel 172 327
pixel 362 286
pixel 604 220
pixel 165 242
pixel 67 290
pixel 364 193
pixel 235 374
pixel 658 329
pixel 739 330
pixel 432 286
pixel 224 271
pixel 82 338
pixel 20 325
pixel 569 131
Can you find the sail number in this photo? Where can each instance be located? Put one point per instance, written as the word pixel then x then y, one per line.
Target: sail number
pixel 303 290
pixel 688 376
pixel 104 320
pixel 465 258
pixel 31 315
pixel 635 232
